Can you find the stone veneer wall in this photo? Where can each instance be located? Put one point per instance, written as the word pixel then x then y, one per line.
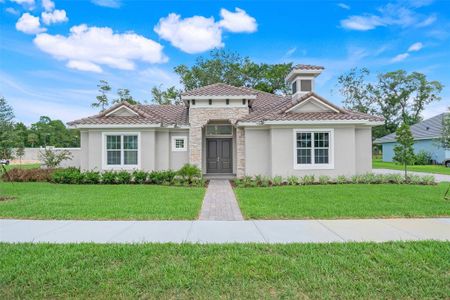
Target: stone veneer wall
pixel 199 117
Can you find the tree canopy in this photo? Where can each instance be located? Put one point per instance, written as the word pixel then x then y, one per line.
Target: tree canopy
pixel 398 96
pixel 7 134
pixel 226 67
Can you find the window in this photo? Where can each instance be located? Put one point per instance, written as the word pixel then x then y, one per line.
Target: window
pixel 122 150
pixel 210 101
pixel 294 87
pixel 244 101
pixel 227 101
pixel 306 85
pixel 219 130
pixel 179 143
pixel 313 149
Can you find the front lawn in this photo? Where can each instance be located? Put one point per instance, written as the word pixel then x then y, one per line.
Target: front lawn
pixel 402 270
pixel 435 169
pixel 23 166
pixel 343 201
pixel 99 202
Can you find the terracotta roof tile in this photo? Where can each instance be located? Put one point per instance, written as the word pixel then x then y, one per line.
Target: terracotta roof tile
pixel 266 107
pixel 308 67
pixel 220 89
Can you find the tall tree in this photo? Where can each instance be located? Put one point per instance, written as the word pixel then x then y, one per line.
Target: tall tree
pixel 169 96
pixel 7 134
pixel 445 138
pixel 404 151
pixel 397 96
pixel 102 100
pixel 32 139
pixel 226 67
pixel 125 95
pixel 231 68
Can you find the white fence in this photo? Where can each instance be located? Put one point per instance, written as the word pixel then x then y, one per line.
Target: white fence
pixel 32 156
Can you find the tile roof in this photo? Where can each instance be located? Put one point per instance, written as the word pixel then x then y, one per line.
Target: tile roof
pixel 428 129
pixel 266 107
pixel 307 67
pixel 220 89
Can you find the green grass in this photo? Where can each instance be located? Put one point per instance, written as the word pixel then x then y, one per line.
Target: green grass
pixel 99 202
pixel 402 270
pixel 343 201
pixel 435 169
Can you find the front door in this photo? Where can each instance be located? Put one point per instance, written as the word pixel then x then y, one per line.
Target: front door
pixel 219 156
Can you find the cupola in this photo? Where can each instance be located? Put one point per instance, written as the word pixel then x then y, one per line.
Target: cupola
pixel 301 79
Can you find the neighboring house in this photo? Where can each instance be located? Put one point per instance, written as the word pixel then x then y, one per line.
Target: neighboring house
pixel 233 130
pixel 426 138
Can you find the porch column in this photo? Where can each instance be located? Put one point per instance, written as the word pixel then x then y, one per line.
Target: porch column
pixel 240 152
pixel 195 146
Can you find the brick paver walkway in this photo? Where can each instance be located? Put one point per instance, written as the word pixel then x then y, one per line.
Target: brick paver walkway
pixel 220 203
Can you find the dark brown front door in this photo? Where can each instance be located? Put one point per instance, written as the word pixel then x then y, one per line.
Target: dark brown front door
pixel 219 156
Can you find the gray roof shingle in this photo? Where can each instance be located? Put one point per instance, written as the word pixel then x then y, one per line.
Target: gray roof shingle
pixel 427 129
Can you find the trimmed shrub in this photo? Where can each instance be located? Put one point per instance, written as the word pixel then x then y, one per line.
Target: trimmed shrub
pixel 161 177
pixel 324 179
pixel 277 180
pixel 428 180
pixel 68 176
pixel 140 177
pixel 293 180
pixel 341 179
pixel 91 177
pixel 109 177
pixel 123 177
pixel 422 158
pixel 28 175
pixel 265 181
pixel 308 179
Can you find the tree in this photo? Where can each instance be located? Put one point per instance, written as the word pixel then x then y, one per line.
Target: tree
pixel 32 139
pixel 124 95
pixel 20 152
pixel 52 159
pixel 445 138
pixel 397 96
pixel 7 135
pixel 404 151
pixel 170 96
pixel 230 68
pixel 102 99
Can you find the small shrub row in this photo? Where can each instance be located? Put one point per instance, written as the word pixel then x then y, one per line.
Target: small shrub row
pixel 369 178
pixel 187 176
pixel 28 175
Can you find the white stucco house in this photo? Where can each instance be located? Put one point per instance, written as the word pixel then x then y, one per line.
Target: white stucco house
pixel 232 130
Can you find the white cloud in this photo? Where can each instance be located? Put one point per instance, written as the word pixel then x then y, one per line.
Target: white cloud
pixel 389 15
pixel 428 21
pixel 84 66
pixel 12 11
pixel 238 21
pixel 344 6
pixel 24 2
pixel 291 51
pixel 48 5
pixel 400 57
pixel 191 35
pixel 56 16
pixel 107 3
pixel 198 34
pixel 86 48
pixel 362 23
pixel 415 47
pixel 29 24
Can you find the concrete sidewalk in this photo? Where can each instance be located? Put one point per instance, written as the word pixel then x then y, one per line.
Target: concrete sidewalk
pixel 277 231
pixel 437 177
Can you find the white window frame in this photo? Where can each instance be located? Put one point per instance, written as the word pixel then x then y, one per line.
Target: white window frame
pixel 313 165
pixel 174 143
pixel 122 166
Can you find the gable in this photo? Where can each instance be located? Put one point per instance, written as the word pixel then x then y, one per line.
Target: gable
pixel 312 104
pixel 122 111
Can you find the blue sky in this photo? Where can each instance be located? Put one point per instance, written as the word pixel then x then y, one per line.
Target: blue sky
pixel 53 53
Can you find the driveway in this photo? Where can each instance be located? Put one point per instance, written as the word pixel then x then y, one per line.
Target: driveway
pixel 438 177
